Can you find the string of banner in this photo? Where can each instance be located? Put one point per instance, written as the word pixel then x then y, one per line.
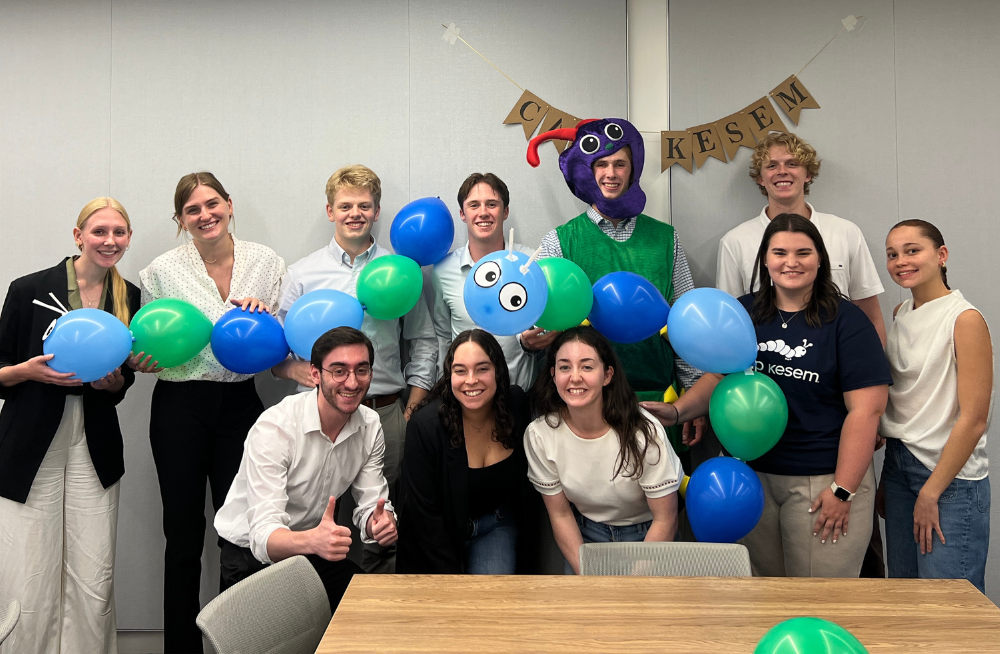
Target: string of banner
pixel 690 148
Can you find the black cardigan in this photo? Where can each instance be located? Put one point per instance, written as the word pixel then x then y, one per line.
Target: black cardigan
pixel 433 497
pixel 32 410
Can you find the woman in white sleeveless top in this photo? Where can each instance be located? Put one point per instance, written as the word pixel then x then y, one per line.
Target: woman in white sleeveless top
pixel 935 488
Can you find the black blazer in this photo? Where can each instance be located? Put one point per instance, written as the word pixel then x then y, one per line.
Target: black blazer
pixel 433 497
pixel 32 410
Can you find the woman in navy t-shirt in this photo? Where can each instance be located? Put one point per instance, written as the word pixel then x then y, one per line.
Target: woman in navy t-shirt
pixel 819 477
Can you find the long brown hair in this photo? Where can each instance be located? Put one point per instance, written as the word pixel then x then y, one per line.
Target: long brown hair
pixel 931 233
pixel 620 408
pixel 825 296
pixel 450 410
pixel 119 291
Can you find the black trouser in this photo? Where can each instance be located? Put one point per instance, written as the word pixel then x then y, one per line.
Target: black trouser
pixel 196 430
pixel 238 563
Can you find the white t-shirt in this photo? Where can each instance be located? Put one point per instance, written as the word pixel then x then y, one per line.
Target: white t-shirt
pixel 851 262
pixel 561 461
pixel 923 399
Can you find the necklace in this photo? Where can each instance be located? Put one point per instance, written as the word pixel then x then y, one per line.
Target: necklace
pixel 90 303
pixel 784 323
pixel 207 260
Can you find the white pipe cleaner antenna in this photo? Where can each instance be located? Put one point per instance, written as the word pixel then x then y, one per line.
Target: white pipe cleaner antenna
pixel 531 259
pixel 510 242
pixel 62 310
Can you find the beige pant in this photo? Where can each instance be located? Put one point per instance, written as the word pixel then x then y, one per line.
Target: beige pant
pixel 57 551
pixel 782 544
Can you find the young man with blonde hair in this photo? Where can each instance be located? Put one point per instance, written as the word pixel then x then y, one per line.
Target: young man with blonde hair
pixel 354 194
pixel 784 167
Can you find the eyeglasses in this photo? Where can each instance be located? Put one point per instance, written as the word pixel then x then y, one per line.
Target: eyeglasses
pixel 361 373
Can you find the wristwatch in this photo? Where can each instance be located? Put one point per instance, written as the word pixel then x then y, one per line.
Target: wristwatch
pixel 841 493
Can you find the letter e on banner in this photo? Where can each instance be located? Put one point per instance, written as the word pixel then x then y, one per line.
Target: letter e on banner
pixel 705 143
pixel 762 118
pixel 734 133
pixel 528 112
pixel 557 119
pixel 675 148
pixel 792 96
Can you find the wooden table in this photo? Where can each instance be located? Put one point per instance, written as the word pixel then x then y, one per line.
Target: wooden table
pixel 465 613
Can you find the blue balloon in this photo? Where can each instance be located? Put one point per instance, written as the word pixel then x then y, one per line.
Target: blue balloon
pixel 724 500
pixel 711 330
pixel 500 298
pixel 88 342
pixel 316 313
pixel 627 307
pixel 248 343
pixel 423 230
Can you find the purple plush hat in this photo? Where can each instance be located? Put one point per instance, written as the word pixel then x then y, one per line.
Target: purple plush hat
pixel 592 140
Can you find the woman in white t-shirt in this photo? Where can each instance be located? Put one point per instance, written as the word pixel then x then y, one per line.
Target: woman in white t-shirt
pixel 935 479
pixel 601 463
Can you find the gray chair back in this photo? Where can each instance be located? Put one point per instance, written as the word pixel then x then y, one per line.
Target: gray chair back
pixel 664 560
pixel 8 618
pixel 283 609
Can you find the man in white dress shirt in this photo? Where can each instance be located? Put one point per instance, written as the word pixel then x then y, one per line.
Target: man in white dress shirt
pixel 784 166
pixel 353 195
pixel 484 202
pixel 299 457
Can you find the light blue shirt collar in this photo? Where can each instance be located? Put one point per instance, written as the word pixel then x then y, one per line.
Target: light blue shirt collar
pixel 339 254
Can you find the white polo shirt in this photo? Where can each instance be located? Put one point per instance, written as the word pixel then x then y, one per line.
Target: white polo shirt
pixel 851 262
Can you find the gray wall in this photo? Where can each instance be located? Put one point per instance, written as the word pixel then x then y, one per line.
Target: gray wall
pixel 908 108
pixel 125 97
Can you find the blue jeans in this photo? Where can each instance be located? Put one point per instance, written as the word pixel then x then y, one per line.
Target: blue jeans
pixel 598 532
pixel 491 548
pixel 963 512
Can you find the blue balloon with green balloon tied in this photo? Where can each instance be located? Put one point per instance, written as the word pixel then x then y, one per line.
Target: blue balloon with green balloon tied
pixel 248 342
pixel 316 313
pixel 423 230
pixel 724 500
pixel 88 342
pixel 502 299
pixel 711 330
pixel 628 308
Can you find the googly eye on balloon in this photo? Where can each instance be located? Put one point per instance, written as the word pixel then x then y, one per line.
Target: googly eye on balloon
pixel 505 293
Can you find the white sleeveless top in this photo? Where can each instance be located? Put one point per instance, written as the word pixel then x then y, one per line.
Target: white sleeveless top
pixel 923 399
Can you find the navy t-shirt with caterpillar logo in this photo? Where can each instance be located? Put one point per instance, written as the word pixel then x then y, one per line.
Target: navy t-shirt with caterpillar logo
pixel 814 367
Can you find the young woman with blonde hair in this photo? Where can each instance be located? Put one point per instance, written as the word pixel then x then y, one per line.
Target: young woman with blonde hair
pixel 61 451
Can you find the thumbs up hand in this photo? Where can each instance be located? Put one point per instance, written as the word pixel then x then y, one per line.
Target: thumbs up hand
pixel 330 540
pixel 382 525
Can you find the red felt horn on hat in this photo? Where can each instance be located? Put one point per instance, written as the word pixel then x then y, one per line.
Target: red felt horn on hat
pixel 562 134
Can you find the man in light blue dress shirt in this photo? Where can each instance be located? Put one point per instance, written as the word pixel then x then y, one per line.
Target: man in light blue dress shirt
pixel 484 202
pixel 354 193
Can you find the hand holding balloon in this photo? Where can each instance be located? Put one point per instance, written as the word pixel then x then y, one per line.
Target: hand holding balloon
pixel 143 362
pixel 112 382
pixel 251 303
pixel 37 369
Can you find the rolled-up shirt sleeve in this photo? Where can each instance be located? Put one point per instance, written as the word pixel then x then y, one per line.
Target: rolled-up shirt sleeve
pixel 369 486
pixel 418 330
pixel 268 454
pixel 290 291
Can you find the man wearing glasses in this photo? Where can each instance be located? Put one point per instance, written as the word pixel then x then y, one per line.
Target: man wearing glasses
pixel 299 457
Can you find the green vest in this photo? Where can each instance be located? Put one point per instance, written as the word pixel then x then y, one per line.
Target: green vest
pixel 649 364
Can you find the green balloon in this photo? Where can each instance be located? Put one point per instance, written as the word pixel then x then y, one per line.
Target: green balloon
pixel 748 413
pixel 171 331
pixel 813 635
pixel 390 286
pixel 571 295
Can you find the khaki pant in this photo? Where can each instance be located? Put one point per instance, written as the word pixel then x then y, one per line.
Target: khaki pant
pixel 782 544
pixel 57 551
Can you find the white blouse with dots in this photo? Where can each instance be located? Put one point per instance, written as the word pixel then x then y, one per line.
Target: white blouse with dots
pixel 181 274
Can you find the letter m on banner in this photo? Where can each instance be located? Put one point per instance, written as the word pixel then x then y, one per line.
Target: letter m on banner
pixel 792 96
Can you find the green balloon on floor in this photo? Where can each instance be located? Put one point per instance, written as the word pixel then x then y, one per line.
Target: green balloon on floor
pixel 812 635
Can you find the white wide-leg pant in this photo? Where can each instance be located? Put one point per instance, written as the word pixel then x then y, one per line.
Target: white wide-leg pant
pixel 57 551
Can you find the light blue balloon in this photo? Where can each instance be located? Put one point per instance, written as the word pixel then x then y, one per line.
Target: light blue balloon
pixel 88 342
pixel 712 331
pixel 500 298
pixel 423 230
pixel 628 308
pixel 316 313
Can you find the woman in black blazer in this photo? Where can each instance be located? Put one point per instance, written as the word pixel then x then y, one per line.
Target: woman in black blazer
pixel 61 452
pixel 466 505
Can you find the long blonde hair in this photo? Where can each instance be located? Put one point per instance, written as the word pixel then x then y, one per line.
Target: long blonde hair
pixel 119 291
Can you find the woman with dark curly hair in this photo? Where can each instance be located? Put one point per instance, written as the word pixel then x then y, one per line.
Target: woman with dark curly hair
pixel 465 505
pixel 601 463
